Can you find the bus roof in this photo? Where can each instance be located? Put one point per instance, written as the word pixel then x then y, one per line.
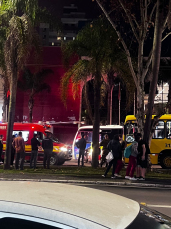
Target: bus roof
pixel 133 118
pixel 103 127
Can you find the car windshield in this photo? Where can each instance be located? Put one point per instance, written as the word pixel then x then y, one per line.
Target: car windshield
pixel 148 219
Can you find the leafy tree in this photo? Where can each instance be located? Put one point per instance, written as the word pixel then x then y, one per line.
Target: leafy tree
pixel 96 46
pixel 33 82
pixel 136 22
pixel 20 39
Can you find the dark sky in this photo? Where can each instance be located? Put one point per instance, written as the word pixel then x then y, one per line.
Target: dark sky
pixel 56 6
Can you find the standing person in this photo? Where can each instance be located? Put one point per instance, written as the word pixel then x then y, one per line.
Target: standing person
pixel 81 144
pixel 34 145
pixel 19 145
pixel 105 152
pixel 47 145
pixel 132 160
pixel 143 150
pixel 12 150
pixel 115 147
pixel 120 163
pixel 1 147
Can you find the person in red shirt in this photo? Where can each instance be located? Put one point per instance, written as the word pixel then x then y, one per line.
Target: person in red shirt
pixel 19 145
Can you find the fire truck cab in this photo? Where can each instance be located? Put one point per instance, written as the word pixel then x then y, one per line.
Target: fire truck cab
pixel 60 152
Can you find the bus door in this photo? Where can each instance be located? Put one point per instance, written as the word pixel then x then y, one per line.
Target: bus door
pixel 130 129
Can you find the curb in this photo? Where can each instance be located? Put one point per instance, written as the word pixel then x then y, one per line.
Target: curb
pixel 90 182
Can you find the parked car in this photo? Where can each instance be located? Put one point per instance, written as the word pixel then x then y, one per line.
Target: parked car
pixel 42 205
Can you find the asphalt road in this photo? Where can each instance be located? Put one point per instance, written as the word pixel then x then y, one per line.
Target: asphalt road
pixel 155 198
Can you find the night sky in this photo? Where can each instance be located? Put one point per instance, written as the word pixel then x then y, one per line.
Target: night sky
pixel 56 7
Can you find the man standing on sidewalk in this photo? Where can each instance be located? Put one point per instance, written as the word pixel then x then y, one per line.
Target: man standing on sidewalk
pixel 105 152
pixel 1 147
pixel 81 144
pixel 19 145
pixel 47 145
pixel 34 145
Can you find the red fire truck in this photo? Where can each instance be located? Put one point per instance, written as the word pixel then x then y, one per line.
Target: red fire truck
pixel 61 152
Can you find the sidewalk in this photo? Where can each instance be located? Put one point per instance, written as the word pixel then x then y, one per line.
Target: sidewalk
pixel 95 180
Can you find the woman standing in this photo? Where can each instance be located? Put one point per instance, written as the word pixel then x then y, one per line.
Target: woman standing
pixel 115 147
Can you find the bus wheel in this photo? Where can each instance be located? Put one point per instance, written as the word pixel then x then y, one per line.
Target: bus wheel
pixel 166 161
pixel 54 159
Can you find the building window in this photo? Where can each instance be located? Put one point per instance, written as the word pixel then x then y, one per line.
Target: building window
pixel 58 38
pixel 53 43
pixel 73 38
pixel 64 38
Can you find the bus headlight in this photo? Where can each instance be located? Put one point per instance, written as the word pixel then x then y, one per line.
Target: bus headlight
pixel 63 149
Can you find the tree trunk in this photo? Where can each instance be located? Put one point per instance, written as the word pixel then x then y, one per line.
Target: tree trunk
pixel 108 104
pixel 30 106
pixel 110 85
pixel 96 121
pixel 5 99
pixel 11 115
pixel 155 66
pixel 140 108
pixel 169 96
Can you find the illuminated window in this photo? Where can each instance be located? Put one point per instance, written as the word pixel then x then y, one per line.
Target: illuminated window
pixel 168 133
pixel 58 38
pixel 53 43
pixel 65 38
pixel 73 38
pixel 159 130
pixel 25 134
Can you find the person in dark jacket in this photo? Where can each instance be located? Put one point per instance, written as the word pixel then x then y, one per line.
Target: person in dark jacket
pixel 115 147
pixel 34 145
pixel 105 152
pixel 120 163
pixel 12 150
pixel 81 144
pixel 1 146
pixel 47 145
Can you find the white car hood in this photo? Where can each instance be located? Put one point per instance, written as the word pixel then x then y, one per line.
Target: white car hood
pixel 105 209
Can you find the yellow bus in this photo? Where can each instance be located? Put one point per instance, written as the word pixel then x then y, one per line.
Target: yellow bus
pixel 161 140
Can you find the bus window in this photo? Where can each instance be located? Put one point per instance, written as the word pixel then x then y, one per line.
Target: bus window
pixel 130 129
pixel 25 134
pixel 159 131
pixel 88 135
pixel 110 133
pixel 168 132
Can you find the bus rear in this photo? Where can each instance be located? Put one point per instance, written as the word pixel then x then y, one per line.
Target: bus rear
pixel 111 130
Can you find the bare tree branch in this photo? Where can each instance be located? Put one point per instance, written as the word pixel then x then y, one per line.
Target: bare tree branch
pixel 166 36
pixel 130 20
pixel 146 68
pixel 123 43
pixel 152 13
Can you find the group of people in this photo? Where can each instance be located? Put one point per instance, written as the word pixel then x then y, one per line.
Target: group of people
pixel 137 160
pixel 18 150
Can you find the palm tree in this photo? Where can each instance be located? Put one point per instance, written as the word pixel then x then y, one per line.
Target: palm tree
pixel 20 37
pixel 96 44
pixel 34 84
